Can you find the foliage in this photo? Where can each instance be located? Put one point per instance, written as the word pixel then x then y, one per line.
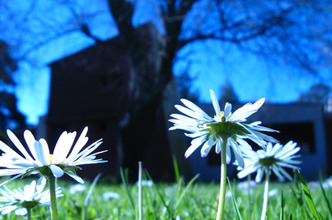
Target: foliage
pixel 228 93
pixel 10 117
pixel 318 93
pixel 184 86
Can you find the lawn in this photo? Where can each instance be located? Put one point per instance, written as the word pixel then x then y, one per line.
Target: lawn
pixel 183 200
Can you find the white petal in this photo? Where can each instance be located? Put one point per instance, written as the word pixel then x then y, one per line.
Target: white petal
pixel 9 151
pixel 264 136
pixel 197 134
pixel 182 119
pixel 57 171
pixel 259 175
pixel 82 140
pixel 30 140
pixel 227 109
pixel 29 190
pixel 258 103
pixel 218 147
pixel 86 153
pixel 245 111
pixel 285 174
pixel 41 184
pixel 289 164
pixel 42 153
pixel 77 178
pixel 195 108
pixel 21 211
pixel 8 209
pixel 276 170
pixel 195 143
pixel 10 173
pixel 236 151
pixel 246 171
pixel 207 147
pixel 243 143
pixel 241 114
pixel 215 103
pixel 192 129
pixel 63 147
pixel 290 145
pixel 18 144
pixel 189 112
pixel 277 148
pixel 24 164
pixel 228 154
pixel 261 128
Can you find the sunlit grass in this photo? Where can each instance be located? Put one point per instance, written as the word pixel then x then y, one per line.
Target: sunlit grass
pixel 183 200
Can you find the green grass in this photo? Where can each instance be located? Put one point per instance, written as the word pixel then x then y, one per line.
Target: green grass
pixel 186 200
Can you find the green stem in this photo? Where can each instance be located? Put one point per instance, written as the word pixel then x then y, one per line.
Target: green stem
pixel 223 171
pixel 266 193
pixel 140 210
pixel 54 210
pixel 249 194
pixel 29 213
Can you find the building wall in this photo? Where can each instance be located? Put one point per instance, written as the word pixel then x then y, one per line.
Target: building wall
pixel 90 88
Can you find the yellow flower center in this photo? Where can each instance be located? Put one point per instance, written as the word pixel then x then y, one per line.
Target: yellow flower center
pixel 222 113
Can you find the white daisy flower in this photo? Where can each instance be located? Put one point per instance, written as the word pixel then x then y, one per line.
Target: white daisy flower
pixel 19 200
pixel 111 195
pixel 224 126
pixel 77 188
pixel 272 158
pixel 147 183
pixel 66 157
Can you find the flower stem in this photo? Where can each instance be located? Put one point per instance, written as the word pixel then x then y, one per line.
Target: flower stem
pixel 29 213
pixel 140 210
pixel 266 193
pixel 222 179
pixel 54 210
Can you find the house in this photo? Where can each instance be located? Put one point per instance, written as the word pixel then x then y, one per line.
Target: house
pixel 90 88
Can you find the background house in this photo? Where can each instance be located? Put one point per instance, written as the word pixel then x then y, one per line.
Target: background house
pixel 91 88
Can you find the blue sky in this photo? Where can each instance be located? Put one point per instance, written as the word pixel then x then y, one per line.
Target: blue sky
pixel 212 63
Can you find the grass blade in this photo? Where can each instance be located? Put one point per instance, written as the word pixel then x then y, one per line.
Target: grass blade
pixel 125 186
pixel 176 170
pixel 185 190
pixel 309 198
pixel 325 198
pixel 88 196
pixel 167 206
pixel 140 208
pixel 282 206
pixel 237 211
pixel 298 195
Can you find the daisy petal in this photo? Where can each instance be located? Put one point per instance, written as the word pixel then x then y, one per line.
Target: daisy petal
pixel 77 178
pixel 57 171
pixel 215 103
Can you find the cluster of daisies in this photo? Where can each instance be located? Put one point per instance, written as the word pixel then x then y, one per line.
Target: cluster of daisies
pixel 207 131
pixel 37 159
pixel 227 131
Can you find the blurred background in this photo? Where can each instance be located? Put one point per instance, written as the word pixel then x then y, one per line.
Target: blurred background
pixel 119 66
